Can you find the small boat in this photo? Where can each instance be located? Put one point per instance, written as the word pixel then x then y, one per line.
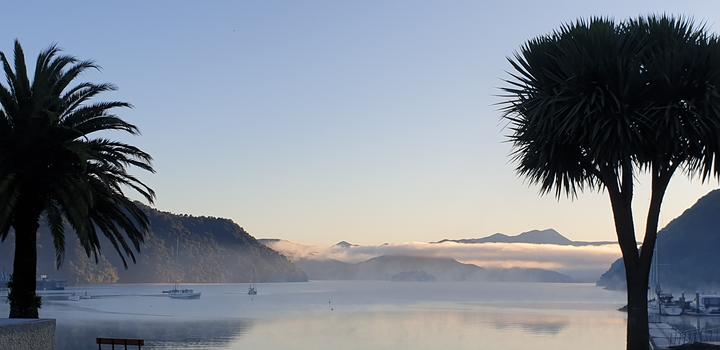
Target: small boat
pixel 85 296
pixel 74 297
pixel 42 283
pixel 252 290
pixel 668 306
pixel 184 293
pixel 45 283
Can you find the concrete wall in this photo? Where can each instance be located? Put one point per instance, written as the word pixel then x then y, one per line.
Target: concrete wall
pixel 26 334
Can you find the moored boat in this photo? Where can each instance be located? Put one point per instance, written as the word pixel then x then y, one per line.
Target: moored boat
pixel 45 283
pixel 42 283
pixel 668 306
pixel 705 305
pixel 664 304
pixel 185 293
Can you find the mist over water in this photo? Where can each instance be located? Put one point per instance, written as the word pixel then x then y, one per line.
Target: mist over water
pixel 346 315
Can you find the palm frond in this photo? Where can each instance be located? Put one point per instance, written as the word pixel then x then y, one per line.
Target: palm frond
pixel 22 82
pixel 57 229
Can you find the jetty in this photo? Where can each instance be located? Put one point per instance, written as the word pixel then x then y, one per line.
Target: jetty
pixel 664 336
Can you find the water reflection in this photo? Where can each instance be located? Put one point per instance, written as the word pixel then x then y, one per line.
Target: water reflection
pixel 533 324
pixel 365 315
pixel 440 329
pixel 412 327
pixel 165 334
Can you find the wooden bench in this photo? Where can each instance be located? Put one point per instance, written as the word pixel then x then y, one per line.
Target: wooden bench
pixel 119 341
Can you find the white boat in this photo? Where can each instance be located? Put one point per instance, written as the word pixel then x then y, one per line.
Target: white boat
pixel 177 293
pixel 668 306
pixel 705 305
pixel 74 297
pixel 184 294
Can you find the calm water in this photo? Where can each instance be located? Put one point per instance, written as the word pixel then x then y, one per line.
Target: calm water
pixel 347 315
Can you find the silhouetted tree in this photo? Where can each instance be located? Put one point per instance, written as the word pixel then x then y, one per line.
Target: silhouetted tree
pixel 595 103
pixel 51 165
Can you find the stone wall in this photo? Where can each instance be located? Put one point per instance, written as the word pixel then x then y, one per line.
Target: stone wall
pixel 27 334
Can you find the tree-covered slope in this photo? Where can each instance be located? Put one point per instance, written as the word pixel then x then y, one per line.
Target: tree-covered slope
pixel 688 249
pixel 422 268
pixel 178 248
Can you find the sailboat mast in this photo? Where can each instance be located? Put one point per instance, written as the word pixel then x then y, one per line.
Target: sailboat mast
pixel 657 265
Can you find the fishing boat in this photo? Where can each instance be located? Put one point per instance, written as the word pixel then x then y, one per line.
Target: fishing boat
pixel 668 306
pixel 176 292
pixel 252 290
pixel 184 293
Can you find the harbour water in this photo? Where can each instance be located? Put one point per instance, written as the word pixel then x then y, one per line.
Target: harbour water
pixel 346 315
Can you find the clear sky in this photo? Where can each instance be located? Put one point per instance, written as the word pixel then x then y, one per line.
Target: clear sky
pixel 320 121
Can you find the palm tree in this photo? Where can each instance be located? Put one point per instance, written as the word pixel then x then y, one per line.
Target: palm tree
pixel 595 103
pixel 53 165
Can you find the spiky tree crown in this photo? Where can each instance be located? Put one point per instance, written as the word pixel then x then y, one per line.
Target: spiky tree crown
pixel 51 159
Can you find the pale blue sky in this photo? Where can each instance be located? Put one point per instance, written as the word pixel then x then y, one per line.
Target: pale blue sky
pixel 318 121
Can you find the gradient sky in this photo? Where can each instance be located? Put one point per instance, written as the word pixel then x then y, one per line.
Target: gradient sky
pixel 320 121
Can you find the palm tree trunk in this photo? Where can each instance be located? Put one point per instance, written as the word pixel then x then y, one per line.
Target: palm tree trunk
pixel 24 303
pixel 638 332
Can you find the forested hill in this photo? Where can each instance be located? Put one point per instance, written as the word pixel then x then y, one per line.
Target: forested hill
pixel 687 249
pixel 422 268
pixel 178 248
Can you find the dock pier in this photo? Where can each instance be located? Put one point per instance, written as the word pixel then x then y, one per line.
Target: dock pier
pixel 663 336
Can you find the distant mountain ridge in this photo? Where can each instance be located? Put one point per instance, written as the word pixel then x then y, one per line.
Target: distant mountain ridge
pixel 345 244
pixel 687 249
pixel 421 268
pixel 582 264
pixel 178 247
pixel 547 236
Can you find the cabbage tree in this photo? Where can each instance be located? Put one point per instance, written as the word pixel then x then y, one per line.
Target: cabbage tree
pixel 596 103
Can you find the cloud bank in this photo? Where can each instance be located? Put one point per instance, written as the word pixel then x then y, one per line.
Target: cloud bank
pixel 584 263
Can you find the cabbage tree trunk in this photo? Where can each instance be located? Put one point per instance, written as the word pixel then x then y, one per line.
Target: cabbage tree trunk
pixel 638 332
